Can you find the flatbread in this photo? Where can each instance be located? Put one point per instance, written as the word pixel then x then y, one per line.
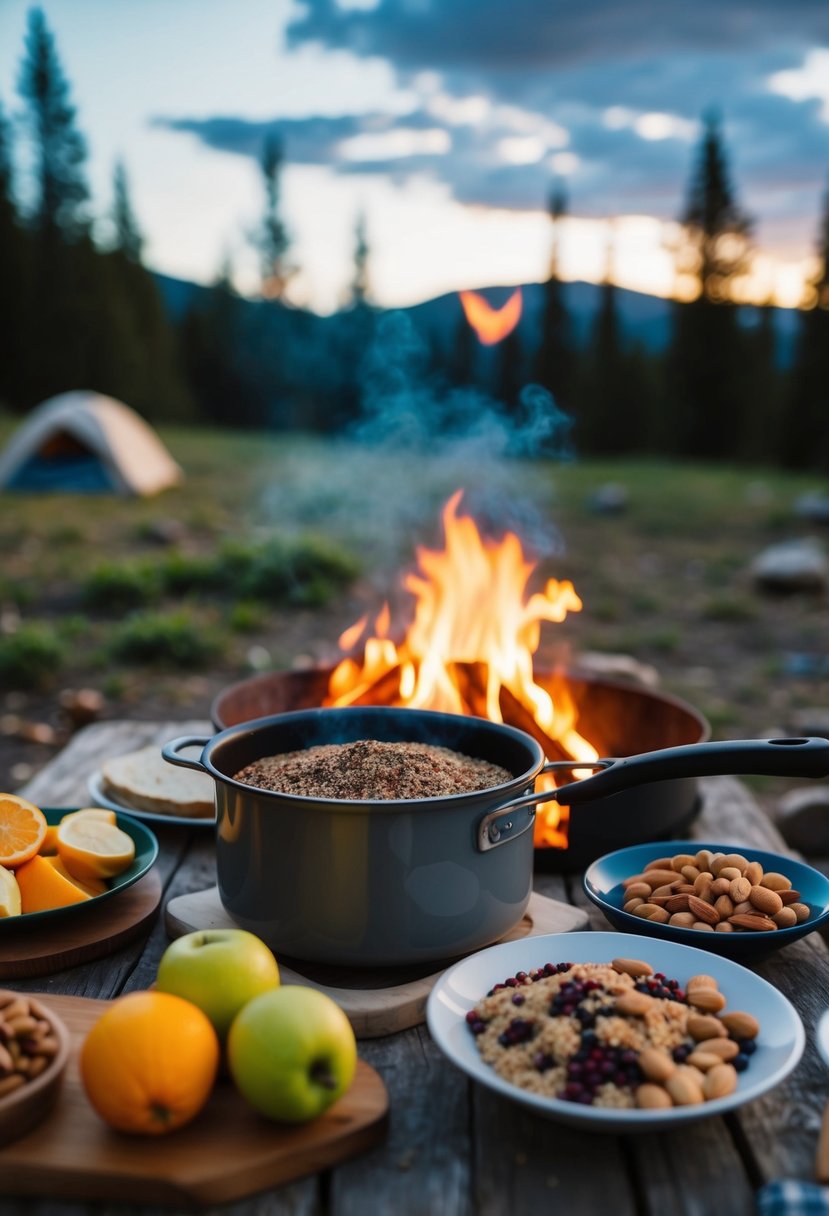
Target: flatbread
pixel 146 781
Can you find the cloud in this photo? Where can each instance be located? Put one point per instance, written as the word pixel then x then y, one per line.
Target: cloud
pixel 610 96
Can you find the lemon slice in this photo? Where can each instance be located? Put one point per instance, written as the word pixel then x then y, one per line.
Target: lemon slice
pixel 9 893
pixel 92 812
pixel 89 847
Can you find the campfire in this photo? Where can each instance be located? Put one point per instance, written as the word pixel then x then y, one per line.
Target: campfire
pixel 491 325
pixel 470 648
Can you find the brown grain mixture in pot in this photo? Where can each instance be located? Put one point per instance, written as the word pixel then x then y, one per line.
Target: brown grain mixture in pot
pixel 368 768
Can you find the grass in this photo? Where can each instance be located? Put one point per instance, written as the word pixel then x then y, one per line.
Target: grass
pixel 273 544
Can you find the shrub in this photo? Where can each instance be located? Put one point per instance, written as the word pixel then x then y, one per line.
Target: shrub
pixel 29 656
pixel 121 585
pixel 172 639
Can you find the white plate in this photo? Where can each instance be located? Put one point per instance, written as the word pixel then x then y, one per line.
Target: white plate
pixel 779 1044
pixel 95 785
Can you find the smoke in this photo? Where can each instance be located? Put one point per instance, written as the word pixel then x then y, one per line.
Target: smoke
pixel 416 440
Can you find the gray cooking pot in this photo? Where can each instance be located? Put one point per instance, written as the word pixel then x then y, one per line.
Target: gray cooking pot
pixel 408 881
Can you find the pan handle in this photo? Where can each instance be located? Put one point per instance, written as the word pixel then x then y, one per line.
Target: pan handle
pixel 795 757
pixel 170 751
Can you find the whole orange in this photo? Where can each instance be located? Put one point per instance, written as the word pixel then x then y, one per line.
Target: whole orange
pixel 149 1063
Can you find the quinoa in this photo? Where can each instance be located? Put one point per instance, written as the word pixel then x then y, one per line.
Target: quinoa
pixel 368 768
pixel 556 1031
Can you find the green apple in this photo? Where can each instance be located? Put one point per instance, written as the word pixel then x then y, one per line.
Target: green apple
pixel 219 970
pixel 291 1053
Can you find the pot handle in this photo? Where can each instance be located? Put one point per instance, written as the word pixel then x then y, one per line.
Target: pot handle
pixel 170 751
pixel 513 818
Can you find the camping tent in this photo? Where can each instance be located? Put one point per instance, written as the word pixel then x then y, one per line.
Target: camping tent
pixel 86 443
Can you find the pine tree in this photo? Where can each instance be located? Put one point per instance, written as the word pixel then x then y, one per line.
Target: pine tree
pixel 62 190
pixel 707 384
pixel 556 353
pixel 805 429
pixel 15 354
pixel 128 238
pixel 360 279
pixel 272 240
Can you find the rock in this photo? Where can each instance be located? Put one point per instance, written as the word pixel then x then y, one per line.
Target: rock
pixel 811 720
pixel 609 499
pixel 803 818
pixel 794 565
pixel 81 706
pixel 618 667
pixel 813 506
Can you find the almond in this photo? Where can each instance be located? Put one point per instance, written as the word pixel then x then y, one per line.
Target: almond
pixel 632 904
pixel 702 925
pixel 789 897
pixel 726 1049
pixel 739 890
pixel 684 1090
pixel 660 878
pixel 720 886
pixel 683 920
pixel 776 882
pixel 702 910
pixel 628 882
pixel 690 873
pixel 741 1025
pixel 737 860
pixel 703 885
pixel 717 863
pixel 700 981
pixel 752 920
pixel 652 1097
pixel 729 873
pixel 709 1000
pixel 644 910
pixel 786 918
pixel 660 915
pixel 657 1064
pixel 801 911
pixel 633 1004
pixel 659 863
pixel 639 890
pixel 633 967
pixel 703 859
pixel 765 900
pixel 665 890
pixel 725 907
pixel 719 1081
pixel 677 903
pixel 753 872
pixel 682 859
pixel 724 927
pixel 703 1060
pixel 703 1026
pixel 745 906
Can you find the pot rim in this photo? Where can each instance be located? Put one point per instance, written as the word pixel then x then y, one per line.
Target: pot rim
pixel 435 717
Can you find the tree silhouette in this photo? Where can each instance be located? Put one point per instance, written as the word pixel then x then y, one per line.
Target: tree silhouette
pixel 62 190
pixel 360 280
pixel 272 241
pixel 14 281
pixel 128 238
pixel 555 355
pixel 805 431
pixel 707 358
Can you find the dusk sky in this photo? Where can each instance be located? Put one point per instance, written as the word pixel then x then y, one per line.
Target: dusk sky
pixel 447 123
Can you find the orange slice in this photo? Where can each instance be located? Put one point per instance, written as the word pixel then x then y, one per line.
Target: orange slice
pixel 22 830
pixel 9 893
pixel 92 886
pixel 92 848
pixel 50 841
pixel 42 887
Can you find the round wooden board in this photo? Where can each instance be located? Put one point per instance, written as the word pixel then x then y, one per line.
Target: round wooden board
pixel 85 934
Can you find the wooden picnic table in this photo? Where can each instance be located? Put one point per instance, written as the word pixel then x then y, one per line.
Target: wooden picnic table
pixel 453 1147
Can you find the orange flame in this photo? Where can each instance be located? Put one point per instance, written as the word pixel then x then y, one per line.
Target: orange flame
pixel 491 324
pixel 470 645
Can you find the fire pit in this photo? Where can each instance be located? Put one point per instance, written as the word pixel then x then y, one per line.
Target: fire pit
pixel 619 721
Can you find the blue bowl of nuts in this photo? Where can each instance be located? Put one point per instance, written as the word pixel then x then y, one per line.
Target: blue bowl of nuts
pixel 734 900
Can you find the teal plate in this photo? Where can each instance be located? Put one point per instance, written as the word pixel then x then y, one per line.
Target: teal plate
pixel 146 851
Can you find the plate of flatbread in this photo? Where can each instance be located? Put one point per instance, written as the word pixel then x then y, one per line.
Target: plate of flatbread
pixel 146 786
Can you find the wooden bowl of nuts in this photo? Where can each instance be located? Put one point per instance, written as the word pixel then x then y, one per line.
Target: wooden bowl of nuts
pixel 734 900
pixel 34 1049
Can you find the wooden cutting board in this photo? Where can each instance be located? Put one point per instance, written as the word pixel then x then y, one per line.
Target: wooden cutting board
pixel 379 1001
pixel 228 1152
pixel 41 948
